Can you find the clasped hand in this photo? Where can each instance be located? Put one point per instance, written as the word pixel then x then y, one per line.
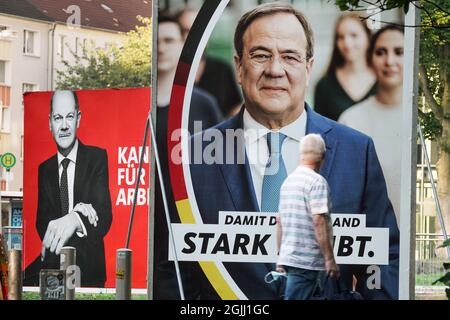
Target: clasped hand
pixel 60 230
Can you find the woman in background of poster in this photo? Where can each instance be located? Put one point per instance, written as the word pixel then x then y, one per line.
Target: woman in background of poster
pixel 380 116
pixel 349 78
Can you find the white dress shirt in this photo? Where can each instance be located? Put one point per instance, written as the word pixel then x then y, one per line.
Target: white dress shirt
pixel 72 156
pixel 258 151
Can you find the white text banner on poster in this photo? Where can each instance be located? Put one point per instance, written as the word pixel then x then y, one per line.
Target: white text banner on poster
pixel 251 237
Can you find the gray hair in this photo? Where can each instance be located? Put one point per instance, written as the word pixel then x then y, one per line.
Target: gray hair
pixel 269 9
pixel 74 95
pixel 312 147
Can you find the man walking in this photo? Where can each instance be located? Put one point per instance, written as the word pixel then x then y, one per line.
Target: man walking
pixel 304 229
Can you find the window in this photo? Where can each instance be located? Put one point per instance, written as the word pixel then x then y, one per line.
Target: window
pixel 5 119
pixel 62 45
pixel 29 87
pixel 92 44
pixel 88 46
pixel 28 46
pixel 108 45
pixel 31 42
pixel 7 33
pixel 2 71
pixel 77 46
pixel 84 47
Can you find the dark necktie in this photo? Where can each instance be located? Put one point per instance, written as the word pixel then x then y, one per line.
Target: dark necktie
pixel 275 173
pixel 64 188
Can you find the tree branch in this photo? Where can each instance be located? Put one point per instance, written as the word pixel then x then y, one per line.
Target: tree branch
pixel 423 80
pixel 404 25
pixel 437 6
pixel 430 16
pixel 371 3
pixel 382 6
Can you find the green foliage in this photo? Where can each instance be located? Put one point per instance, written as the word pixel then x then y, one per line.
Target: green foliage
pixel 382 4
pixel 113 67
pixel 424 279
pixel 435 40
pixel 346 4
pixel 432 127
pixel 86 296
pixel 445 279
pixel 446 243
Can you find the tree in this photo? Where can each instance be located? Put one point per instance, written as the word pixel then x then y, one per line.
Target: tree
pixel 434 78
pixel 445 279
pixel 114 67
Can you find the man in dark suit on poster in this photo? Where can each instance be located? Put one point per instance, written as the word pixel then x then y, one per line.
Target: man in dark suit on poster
pixel 74 203
pixel 274 45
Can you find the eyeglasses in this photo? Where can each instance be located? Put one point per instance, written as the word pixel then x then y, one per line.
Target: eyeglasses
pixel 287 60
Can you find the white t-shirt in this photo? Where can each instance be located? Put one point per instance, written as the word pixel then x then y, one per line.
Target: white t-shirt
pixel 384 125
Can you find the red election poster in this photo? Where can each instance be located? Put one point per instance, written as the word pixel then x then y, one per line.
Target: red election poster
pixel 100 132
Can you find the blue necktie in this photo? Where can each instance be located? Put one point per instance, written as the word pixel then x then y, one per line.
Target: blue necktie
pixel 275 173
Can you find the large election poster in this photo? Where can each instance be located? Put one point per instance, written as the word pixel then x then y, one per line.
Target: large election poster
pixel 82 151
pixel 344 74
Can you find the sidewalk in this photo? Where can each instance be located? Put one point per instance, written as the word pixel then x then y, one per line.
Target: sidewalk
pixel 430 293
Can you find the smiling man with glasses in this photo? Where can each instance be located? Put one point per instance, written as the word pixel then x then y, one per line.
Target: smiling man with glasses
pixel 274 59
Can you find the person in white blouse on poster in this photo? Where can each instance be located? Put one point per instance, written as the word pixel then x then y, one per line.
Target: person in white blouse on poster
pixel 380 116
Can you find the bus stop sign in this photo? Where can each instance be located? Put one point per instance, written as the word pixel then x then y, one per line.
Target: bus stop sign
pixel 8 160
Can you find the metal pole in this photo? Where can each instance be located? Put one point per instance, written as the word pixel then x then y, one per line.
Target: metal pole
pixel 408 163
pixel 166 208
pixel 433 186
pixel 136 188
pixel 68 260
pixel 123 274
pixel 151 164
pixel 15 275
